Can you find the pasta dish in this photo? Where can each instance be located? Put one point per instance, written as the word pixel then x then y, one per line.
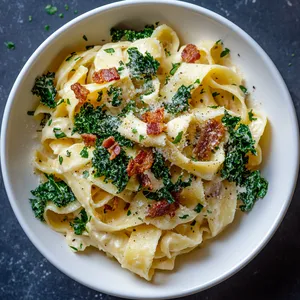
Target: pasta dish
pixel 147 147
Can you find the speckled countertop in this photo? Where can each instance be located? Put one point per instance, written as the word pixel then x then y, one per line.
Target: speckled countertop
pixel 273 274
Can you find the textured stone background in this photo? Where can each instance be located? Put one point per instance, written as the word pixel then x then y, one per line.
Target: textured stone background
pixel 273 274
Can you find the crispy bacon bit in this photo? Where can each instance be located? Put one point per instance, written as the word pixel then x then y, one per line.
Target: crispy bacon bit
pixel 154 121
pixel 145 181
pixel 126 206
pixel 107 207
pixel 112 147
pixel 190 53
pixel 162 208
pixel 210 137
pixel 142 162
pixel 80 92
pixel 106 75
pixel 89 139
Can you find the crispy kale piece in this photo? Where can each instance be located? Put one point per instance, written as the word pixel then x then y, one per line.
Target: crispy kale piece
pixel 56 191
pixel 79 224
pixel 140 66
pixel 130 35
pixel 45 89
pixel 180 101
pixel 234 169
pixel 112 170
pixel 97 121
pixel 161 171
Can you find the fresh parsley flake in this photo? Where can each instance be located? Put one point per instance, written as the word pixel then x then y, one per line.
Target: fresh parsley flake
pixel 168 53
pixel 29 18
pixel 75 249
pixel 214 94
pixel 30 113
pixel 178 138
pixel 61 159
pixel 10 45
pixel 110 50
pixel 219 42
pixel 184 216
pixel 51 10
pixel 75 12
pixel 174 68
pixel 89 47
pixel 134 130
pixel 213 106
pixel 131 35
pixel 66 7
pixel 68 101
pixel 141 138
pixel 47 27
pixel 61 15
pixel 84 152
pixel 49 122
pixel 71 56
pixel 68 153
pixel 116 93
pixel 243 89
pixel 198 208
pixel 85 174
pixel 84 37
pixel 225 52
pixel 250 115
pixel 128 213
pixel 58 133
pixel 79 223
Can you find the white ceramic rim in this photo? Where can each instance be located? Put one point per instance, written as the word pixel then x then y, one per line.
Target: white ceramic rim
pixel 207 13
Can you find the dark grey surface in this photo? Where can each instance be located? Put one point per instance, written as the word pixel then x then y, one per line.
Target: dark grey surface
pixel 273 274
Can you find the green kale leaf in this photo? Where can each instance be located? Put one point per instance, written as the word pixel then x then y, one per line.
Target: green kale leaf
pixel 112 170
pixel 45 89
pixel 256 187
pixel 130 35
pixel 239 145
pixel 140 66
pixel 79 224
pixel 180 101
pixel 56 191
pixel 97 121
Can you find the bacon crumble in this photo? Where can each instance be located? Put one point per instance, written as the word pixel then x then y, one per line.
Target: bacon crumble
pixel 190 53
pixel 89 139
pixel 142 162
pixel 162 208
pixel 145 181
pixel 80 92
pixel 105 75
pixel 154 121
pixel 210 137
pixel 112 147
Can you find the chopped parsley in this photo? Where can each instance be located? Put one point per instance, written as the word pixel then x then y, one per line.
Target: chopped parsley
pixel 198 208
pixel 178 138
pixel 51 10
pixel 141 138
pixel 180 101
pixel 234 169
pixel 130 35
pixel 84 37
pixel 66 7
pixel 68 153
pixel 131 106
pixel 225 52
pixel 174 68
pixel 96 121
pixel 75 12
pixel 214 94
pixel 128 213
pixel 56 191
pixel 60 159
pixel 100 95
pixel 45 89
pixel 30 113
pixel 168 53
pixel 47 27
pixel 121 68
pixel 58 133
pixel 85 174
pixel 184 216
pixel 219 42
pixel 74 248
pixel 250 115
pixel 10 45
pixel 49 122
pixel 61 15
pixel 68 101
pixel 79 224
pixel 243 89
pixel 112 170
pixel 213 106
pixel 30 18
pixel 134 130
pixel 71 56
pixel 88 47
pixel 141 66
pixel 116 93
pixel 84 153
pixel 110 50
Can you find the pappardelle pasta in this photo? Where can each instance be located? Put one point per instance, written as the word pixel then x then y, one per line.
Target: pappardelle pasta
pixel 147 148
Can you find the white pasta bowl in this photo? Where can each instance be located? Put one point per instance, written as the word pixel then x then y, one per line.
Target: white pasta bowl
pixel 241 241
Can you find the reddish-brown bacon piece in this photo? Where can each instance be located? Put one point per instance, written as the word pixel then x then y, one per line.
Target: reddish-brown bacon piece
pixel 80 92
pixel 190 53
pixel 112 147
pixel 126 206
pixel 162 208
pixel 154 121
pixel 106 75
pixel 142 162
pixel 210 137
pixel 114 206
pixel 89 139
pixel 145 181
